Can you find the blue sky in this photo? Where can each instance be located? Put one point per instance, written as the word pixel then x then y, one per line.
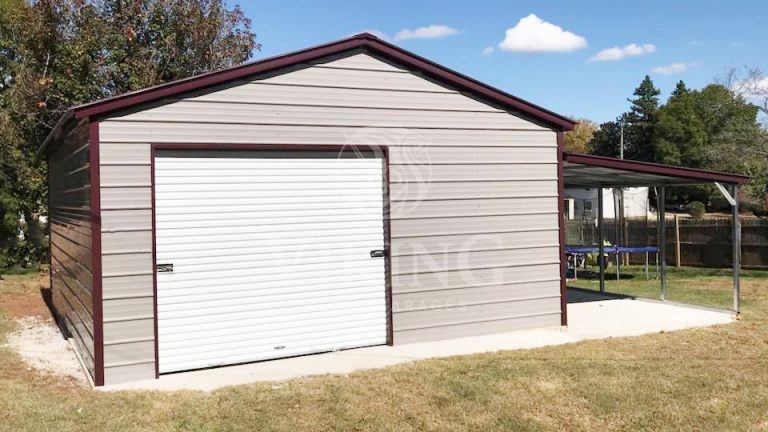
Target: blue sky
pixel 561 69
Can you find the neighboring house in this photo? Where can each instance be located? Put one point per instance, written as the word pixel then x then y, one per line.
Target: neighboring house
pixel 583 202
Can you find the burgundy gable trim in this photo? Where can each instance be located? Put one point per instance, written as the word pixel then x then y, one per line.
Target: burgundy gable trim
pixel 654 168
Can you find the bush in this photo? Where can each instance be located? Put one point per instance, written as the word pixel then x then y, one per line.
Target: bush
pixel 696 209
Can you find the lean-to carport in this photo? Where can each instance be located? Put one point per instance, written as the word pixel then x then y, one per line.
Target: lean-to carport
pixel 588 171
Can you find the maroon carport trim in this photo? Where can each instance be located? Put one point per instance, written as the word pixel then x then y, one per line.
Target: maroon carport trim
pixel 694 174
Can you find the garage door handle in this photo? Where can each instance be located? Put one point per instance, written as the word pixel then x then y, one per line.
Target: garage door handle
pixel 378 253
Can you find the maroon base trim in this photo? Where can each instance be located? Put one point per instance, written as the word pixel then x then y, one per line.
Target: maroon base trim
pixel 96 271
pixel 561 225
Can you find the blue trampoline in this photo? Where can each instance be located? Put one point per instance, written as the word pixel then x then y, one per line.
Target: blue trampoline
pixel 617 250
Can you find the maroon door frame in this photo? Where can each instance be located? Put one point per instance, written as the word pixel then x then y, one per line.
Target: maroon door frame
pixel 279 147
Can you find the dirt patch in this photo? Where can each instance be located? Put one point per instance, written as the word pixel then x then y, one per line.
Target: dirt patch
pixel 40 344
pixel 26 304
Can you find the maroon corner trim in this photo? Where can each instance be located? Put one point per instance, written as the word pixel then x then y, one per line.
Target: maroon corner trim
pixel 154 260
pixel 654 168
pixel 288 147
pixel 96 295
pixel 388 251
pixel 561 230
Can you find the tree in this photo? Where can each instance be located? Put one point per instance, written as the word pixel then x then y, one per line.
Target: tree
pixel 637 124
pixel 605 140
pixel 578 139
pixel 60 53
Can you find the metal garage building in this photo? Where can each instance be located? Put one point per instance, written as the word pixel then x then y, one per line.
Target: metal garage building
pixel 347 195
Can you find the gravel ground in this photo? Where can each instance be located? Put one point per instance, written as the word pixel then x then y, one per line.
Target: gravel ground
pixel 40 343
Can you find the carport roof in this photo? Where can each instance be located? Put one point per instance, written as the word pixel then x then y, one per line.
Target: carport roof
pixel 580 170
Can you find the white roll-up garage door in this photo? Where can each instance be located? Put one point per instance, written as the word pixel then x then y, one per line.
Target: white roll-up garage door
pixel 264 255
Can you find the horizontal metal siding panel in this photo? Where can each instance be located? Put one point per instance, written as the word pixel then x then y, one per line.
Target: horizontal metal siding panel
pixel 426 298
pixel 126 264
pixel 128 307
pixel 349 78
pixel 457 315
pixel 361 61
pixel 139 352
pixel 126 242
pixel 128 286
pixel 129 372
pixel 478 328
pixel 472 190
pixel 141 133
pixel 70 232
pixel 121 153
pixel 437 245
pixel 289 115
pixel 125 175
pixel 259 92
pixel 126 198
pixel 475 277
pixel 472 207
pixel 451 173
pixel 124 220
pixel 472 225
pixel 128 329
pixel 428 263
pixel 471 155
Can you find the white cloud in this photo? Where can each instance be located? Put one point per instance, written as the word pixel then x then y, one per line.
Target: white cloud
pixel 616 53
pixel 428 32
pixel 534 35
pixel 488 50
pixel 672 69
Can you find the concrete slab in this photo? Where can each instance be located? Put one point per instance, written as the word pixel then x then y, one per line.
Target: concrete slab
pixel 587 320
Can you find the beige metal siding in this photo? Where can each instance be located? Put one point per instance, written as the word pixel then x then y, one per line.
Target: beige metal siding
pixel 476 170
pixel 70 225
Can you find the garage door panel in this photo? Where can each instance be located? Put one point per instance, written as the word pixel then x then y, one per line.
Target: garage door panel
pixel 189 293
pixel 195 328
pixel 301 228
pixel 235 358
pixel 244 277
pixel 271 257
pixel 268 342
pixel 286 236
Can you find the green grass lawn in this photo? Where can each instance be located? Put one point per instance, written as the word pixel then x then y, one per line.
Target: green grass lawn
pixel 710 379
pixel 706 287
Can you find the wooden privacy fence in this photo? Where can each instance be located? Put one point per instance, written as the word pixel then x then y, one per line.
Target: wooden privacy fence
pixel 690 242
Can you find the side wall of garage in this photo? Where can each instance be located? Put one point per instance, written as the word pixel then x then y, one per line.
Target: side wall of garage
pixel 473 196
pixel 69 213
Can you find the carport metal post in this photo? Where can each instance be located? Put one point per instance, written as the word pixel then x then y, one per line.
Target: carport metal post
pixel 601 262
pixel 736 224
pixel 661 203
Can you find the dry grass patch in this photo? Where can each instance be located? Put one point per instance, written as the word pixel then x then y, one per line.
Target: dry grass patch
pixel 696 380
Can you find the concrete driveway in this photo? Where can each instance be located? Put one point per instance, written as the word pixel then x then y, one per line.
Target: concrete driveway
pixel 590 316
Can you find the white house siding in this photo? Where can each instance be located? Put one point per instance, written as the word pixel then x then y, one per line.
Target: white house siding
pixel 474 169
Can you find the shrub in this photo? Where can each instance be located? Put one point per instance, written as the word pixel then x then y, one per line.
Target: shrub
pixel 695 209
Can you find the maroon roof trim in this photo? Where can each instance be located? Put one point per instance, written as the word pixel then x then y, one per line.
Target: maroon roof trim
pixel 654 168
pixel 361 41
